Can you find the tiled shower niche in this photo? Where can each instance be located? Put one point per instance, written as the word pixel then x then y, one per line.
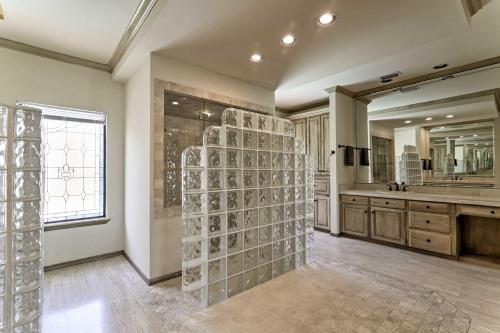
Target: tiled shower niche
pixel 247 205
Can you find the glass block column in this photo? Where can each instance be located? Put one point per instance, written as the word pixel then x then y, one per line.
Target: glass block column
pixel 247 204
pixel 20 221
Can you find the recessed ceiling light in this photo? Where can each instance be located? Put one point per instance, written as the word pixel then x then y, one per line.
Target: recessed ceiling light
pixel 450 116
pixel 326 19
pixel 256 57
pixel 461 136
pixel 440 66
pixel 407 121
pixel 175 103
pixel 475 144
pixel 442 127
pixel 288 40
pixel 475 135
pixel 428 118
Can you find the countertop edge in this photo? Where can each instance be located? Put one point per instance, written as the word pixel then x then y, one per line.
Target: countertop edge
pixel 455 199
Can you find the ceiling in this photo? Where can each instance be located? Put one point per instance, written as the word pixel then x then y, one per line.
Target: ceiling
pixel 471 109
pixel 370 39
pixel 86 29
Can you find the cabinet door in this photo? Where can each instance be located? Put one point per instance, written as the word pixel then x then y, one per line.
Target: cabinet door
pixel 322 212
pixel 325 142
pixel 355 220
pixel 314 140
pixel 300 129
pixel 388 225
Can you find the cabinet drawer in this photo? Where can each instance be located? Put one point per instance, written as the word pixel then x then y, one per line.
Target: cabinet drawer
pixel 322 186
pixel 479 211
pixel 430 241
pixel 430 207
pixel 354 199
pixel 431 222
pixel 388 203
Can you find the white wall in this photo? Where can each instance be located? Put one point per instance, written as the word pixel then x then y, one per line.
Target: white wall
pixel 138 170
pixel 35 79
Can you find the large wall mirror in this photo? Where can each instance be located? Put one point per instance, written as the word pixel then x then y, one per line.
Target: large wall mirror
pixel 431 134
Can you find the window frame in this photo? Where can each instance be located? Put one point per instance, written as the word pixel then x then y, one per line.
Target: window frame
pixel 83 221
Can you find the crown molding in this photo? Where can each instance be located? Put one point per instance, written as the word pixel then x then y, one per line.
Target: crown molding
pixel 491 92
pixel 341 90
pixel 136 23
pixel 38 51
pixel 438 74
pixel 140 16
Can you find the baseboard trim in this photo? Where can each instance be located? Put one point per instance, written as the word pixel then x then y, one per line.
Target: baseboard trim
pixel 335 235
pixel 153 281
pixel 82 261
pixel 165 277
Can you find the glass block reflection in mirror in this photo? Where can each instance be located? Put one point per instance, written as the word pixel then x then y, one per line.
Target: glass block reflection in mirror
pixel 252 197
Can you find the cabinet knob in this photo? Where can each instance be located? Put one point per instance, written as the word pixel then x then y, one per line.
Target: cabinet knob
pixel 428 207
pixel 366 211
pixel 387 202
pixel 427 221
pixel 353 199
pixel 492 212
pixel 428 240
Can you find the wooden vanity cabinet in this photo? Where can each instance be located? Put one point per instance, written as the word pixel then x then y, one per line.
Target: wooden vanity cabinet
pixel 322 212
pixel 388 225
pixel 432 227
pixel 355 220
pixel 314 128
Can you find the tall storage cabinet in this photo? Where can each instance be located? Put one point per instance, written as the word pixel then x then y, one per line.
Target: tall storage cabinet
pixel 21 266
pixel 314 128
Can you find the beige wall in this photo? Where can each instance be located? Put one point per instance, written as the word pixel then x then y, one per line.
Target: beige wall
pixel 30 78
pixel 153 239
pixel 341 133
pixel 138 168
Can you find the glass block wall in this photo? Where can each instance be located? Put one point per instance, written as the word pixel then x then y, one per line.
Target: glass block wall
pixel 21 230
pixel 247 205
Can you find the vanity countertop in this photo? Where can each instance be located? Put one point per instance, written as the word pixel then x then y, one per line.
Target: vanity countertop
pixel 457 199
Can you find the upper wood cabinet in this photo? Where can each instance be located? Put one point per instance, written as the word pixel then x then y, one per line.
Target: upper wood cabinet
pixel 315 131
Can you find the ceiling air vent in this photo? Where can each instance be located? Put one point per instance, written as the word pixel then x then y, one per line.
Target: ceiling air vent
pixel 389 77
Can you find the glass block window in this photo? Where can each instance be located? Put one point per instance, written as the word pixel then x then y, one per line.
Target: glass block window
pixel 73 159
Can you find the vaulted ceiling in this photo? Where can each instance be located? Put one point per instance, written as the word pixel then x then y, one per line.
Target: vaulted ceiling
pixel 370 38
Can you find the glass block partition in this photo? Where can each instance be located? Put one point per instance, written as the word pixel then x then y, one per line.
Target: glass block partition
pixel 247 205
pixel 20 227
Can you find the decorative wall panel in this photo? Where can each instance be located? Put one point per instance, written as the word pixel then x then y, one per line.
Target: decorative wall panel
pixel 21 266
pixel 247 205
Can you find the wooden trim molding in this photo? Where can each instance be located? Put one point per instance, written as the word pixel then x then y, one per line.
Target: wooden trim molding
pixel 17 46
pixel 156 280
pixel 82 261
pixel 140 16
pixel 430 76
pixel 341 90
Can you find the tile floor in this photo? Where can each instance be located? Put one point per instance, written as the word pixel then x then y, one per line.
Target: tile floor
pixel 353 286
